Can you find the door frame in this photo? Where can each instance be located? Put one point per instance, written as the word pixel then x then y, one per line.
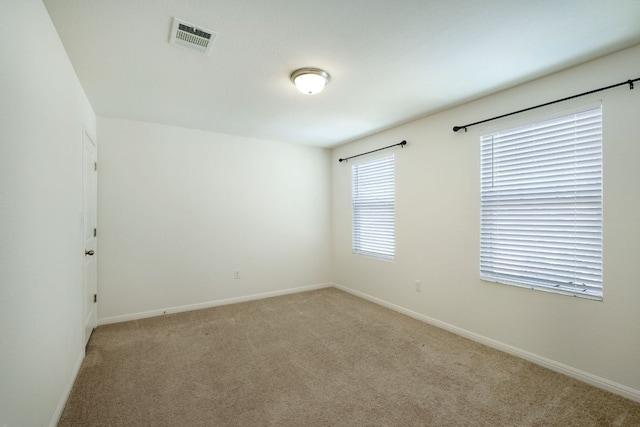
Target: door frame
pixel 89 284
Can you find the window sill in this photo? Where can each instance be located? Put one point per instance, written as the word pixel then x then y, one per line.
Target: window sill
pixel 374 256
pixel 553 290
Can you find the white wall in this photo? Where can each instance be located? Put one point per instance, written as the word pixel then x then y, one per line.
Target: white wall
pixel 180 210
pixel 42 113
pixel 437 184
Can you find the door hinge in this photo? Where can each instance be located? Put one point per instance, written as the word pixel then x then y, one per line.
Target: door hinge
pixel 95 166
pixel 95 232
pixel 95 298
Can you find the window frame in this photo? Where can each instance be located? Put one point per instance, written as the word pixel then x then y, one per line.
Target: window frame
pixel 379 240
pixel 490 246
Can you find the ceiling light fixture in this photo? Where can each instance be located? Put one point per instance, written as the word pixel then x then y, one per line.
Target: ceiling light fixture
pixel 310 80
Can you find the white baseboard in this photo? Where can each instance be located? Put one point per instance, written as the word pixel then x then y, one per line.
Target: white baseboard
pixel 208 304
pixel 65 396
pixel 572 372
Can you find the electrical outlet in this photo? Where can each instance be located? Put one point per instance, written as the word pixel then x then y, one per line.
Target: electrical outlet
pixel 236 274
pixel 418 286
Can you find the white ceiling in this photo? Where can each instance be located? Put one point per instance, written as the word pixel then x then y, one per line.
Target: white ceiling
pixel 389 61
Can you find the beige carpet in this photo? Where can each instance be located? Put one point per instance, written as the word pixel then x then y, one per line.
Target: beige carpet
pixel 320 358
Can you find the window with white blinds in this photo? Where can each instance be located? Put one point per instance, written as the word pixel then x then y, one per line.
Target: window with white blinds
pixel 541 205
pixel 374 208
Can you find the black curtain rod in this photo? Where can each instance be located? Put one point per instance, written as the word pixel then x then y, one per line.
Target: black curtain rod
pixel 628 82
pixel 402 144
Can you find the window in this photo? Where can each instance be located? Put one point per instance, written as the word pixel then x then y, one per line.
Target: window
pixel 541 205
pixel 374 208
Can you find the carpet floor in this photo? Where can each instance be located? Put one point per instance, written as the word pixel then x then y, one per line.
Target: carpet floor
pixel 318 358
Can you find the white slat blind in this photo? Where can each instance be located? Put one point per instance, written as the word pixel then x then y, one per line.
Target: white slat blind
pixel 541 205
pixel 374 208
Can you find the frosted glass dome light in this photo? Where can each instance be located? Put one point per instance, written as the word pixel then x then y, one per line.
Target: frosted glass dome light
pixel 310 80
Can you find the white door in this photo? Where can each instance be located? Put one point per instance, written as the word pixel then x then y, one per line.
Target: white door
pixel 90 236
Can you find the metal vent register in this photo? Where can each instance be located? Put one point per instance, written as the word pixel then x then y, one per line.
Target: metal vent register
pixel 191 37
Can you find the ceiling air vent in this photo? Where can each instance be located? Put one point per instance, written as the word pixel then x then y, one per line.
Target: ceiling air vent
pixel 191 37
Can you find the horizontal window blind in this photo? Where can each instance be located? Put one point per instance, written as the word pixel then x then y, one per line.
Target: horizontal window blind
pixel 541 205
pixel 373 199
